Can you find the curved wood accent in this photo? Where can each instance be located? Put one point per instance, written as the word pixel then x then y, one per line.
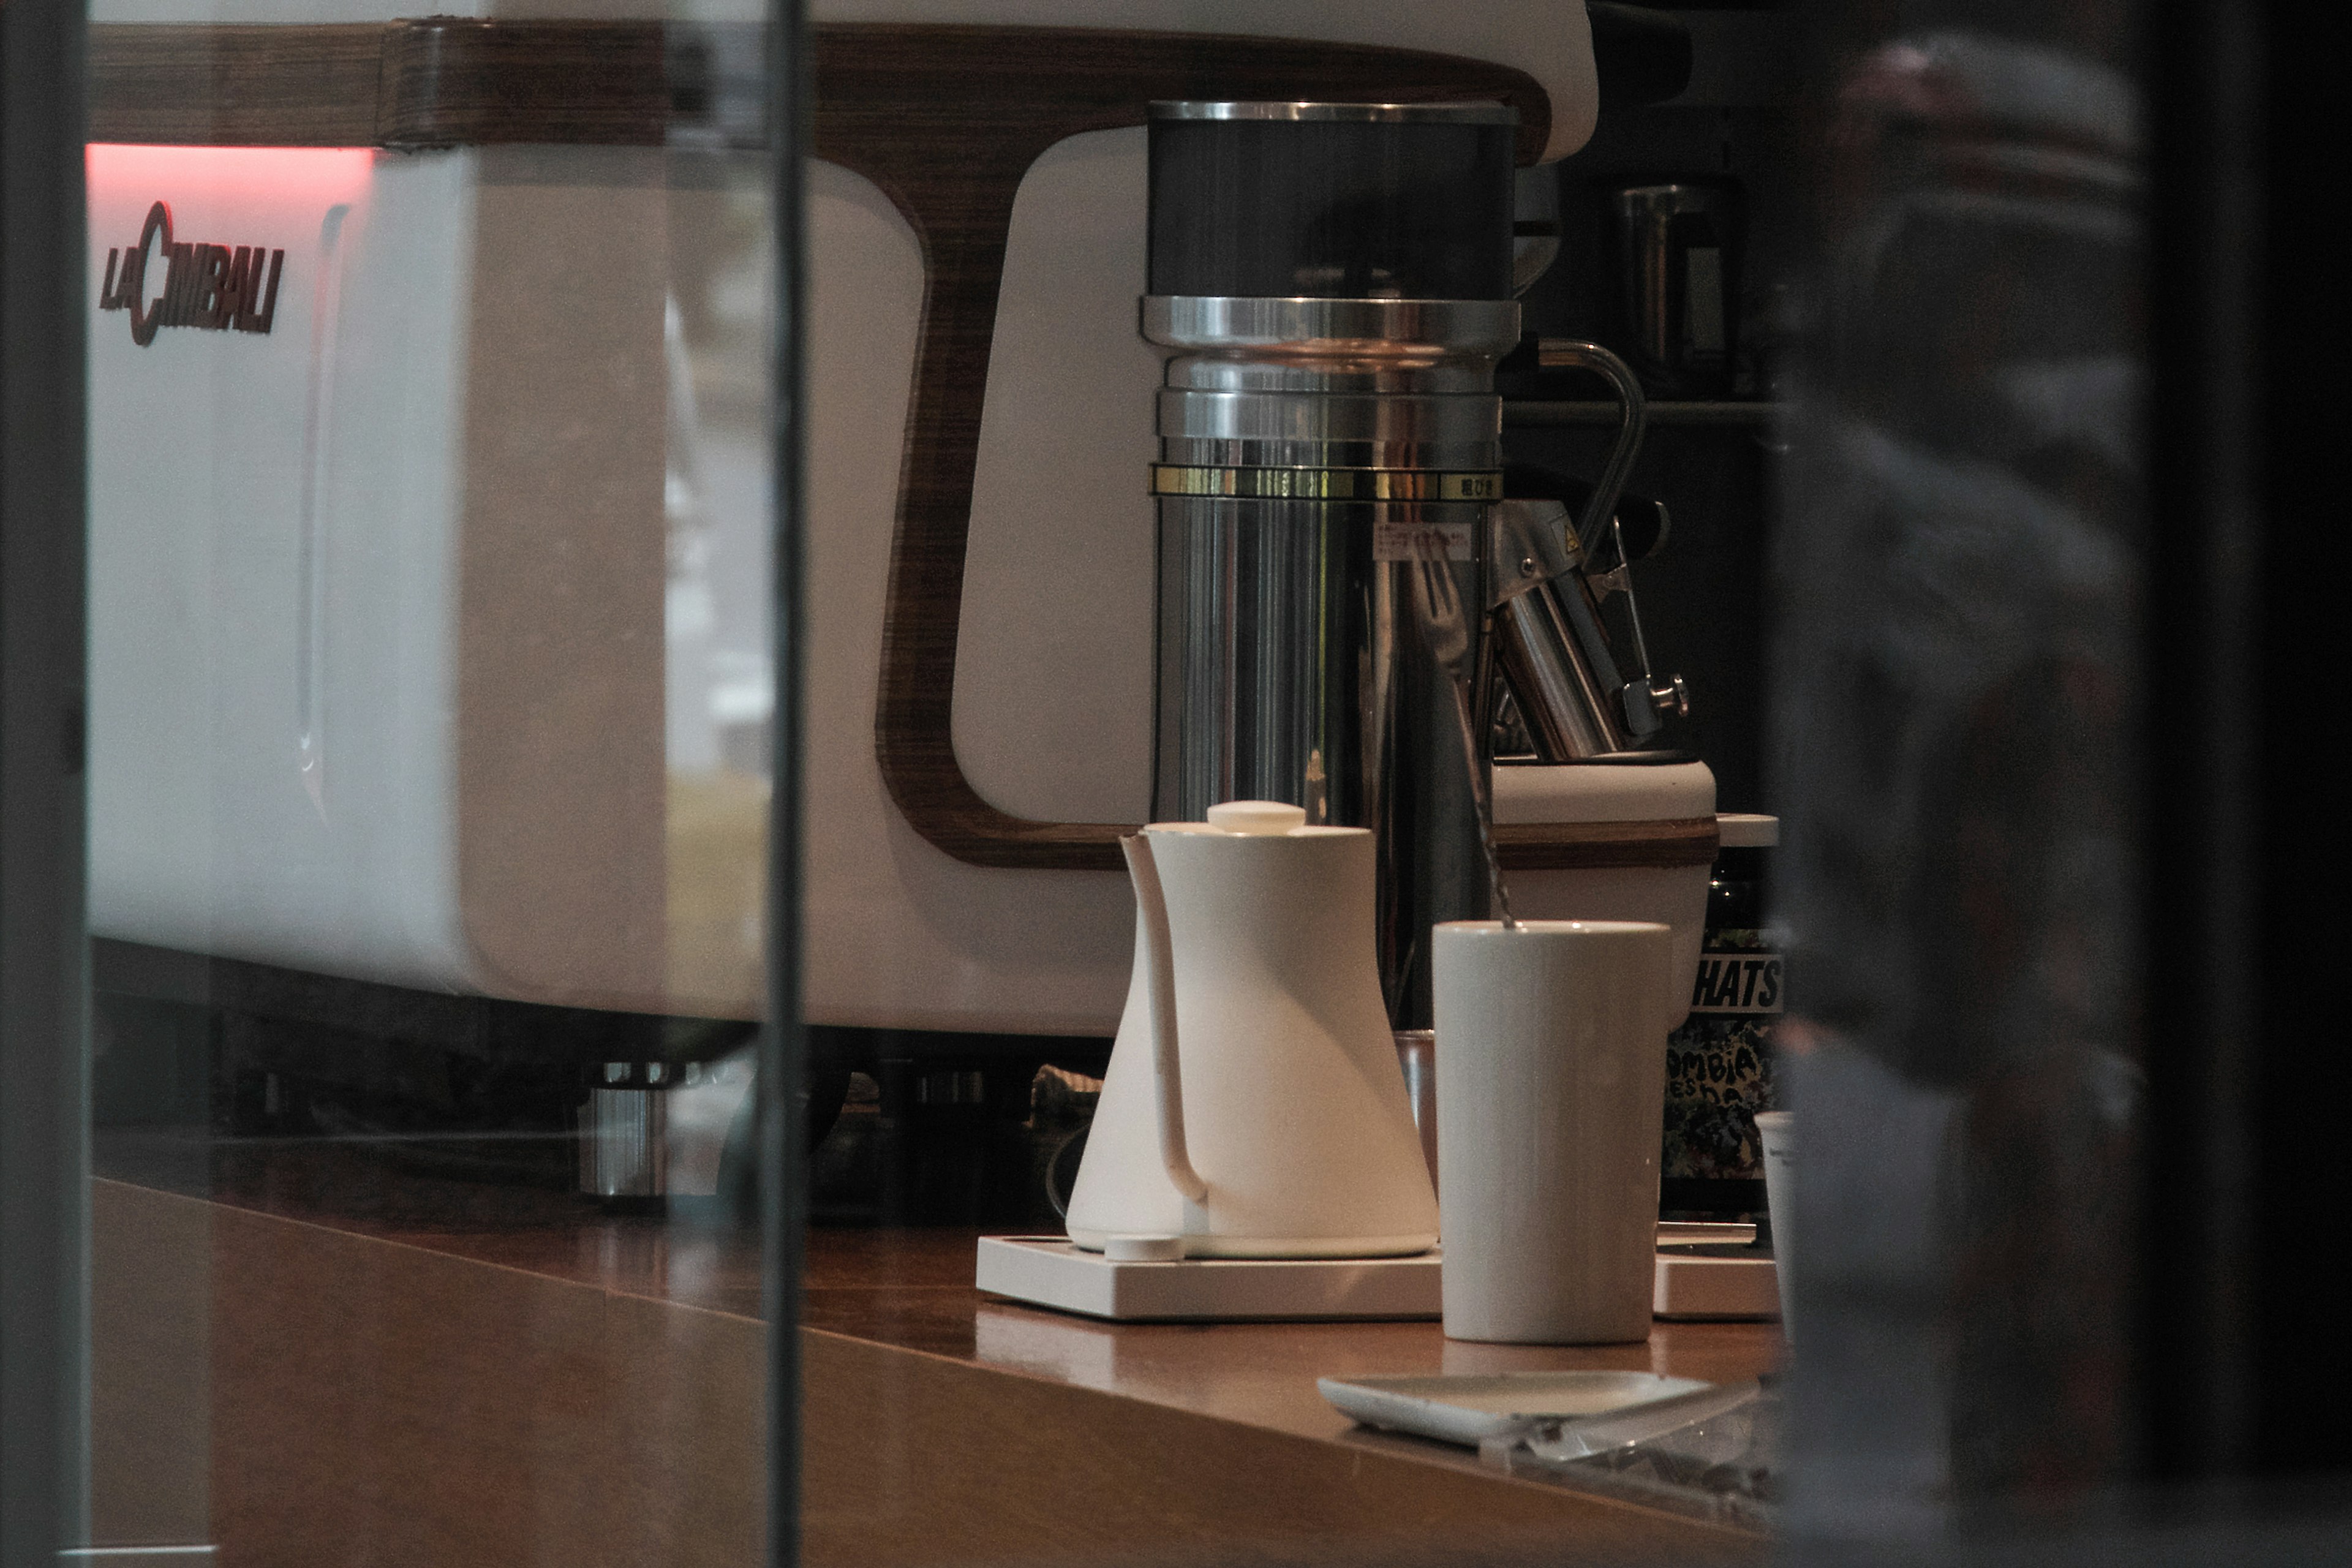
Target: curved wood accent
pixel 1591 845
pixel 946 120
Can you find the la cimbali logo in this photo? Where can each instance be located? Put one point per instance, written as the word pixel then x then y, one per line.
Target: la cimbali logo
pixel 209 287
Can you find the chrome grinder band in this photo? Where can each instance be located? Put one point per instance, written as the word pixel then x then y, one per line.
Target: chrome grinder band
pixel 1325 484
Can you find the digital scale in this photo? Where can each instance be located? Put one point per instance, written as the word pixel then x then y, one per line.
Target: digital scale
pixel 1704 1272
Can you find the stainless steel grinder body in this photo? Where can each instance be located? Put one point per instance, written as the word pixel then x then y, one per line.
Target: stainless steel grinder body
pixel 1330 443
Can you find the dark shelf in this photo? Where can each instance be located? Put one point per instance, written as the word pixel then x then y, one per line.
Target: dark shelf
pixel 1538 414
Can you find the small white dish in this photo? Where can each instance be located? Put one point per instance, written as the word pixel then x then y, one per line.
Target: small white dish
pixel 1471 1409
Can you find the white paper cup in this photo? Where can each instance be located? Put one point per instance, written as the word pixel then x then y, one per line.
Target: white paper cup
pixel 1779 1201
pixel 1551 1077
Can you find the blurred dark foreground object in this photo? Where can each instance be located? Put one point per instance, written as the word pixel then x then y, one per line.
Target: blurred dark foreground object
pixel 2052 562
pixel 1639 55
pixel 1961 571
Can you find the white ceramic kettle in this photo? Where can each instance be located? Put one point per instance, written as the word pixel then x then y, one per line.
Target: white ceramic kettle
pixel 1254 1106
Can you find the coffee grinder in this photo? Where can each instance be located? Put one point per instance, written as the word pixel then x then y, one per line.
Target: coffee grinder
pixel 1332 283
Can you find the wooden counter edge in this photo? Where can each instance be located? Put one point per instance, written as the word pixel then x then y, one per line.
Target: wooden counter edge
pixel 316 1388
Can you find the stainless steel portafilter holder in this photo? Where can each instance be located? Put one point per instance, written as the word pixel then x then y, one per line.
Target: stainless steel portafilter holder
pixel 625 1130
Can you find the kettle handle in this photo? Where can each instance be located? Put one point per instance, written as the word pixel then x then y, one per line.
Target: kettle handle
pixel 1159 948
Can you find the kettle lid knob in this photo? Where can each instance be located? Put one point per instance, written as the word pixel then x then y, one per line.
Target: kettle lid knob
pixel 1259 816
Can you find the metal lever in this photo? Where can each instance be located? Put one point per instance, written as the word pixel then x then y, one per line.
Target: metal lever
pixel 1644 698
pixel 1601 511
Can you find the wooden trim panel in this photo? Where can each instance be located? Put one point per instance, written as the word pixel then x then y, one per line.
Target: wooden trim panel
pixel 179 84
pixel 1592 845
pixel 452 82
pixel 439 83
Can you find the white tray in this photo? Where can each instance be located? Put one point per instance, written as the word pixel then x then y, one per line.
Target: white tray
pixel 1049 1272
pixel 1690 1287
pixel 1469 1410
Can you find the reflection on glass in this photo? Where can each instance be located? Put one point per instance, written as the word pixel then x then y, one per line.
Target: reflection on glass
pixel 430 501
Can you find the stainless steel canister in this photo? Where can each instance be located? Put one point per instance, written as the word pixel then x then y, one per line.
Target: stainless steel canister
pixel 625 1132
pixel 1324 473
pixel 1679 247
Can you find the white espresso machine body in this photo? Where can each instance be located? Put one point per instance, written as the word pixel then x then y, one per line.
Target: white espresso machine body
pixel 376 594
pixel 271 766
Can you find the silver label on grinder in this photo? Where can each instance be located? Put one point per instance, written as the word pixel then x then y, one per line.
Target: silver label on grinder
pixel 1424 541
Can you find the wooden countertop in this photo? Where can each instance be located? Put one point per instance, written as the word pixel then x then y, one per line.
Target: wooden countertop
pixel 897 1334
pixel 912 1289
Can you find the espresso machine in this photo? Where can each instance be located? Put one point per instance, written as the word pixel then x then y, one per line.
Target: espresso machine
pixel 439 662
pixel 433 662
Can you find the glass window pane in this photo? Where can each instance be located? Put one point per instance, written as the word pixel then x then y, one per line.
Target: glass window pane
pixel 431 494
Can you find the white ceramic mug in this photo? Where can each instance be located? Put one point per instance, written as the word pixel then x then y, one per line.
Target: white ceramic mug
pixel 1780 1139
pixel 1552 1073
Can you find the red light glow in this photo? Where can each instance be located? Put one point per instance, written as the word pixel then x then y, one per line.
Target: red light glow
pixel 301 177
